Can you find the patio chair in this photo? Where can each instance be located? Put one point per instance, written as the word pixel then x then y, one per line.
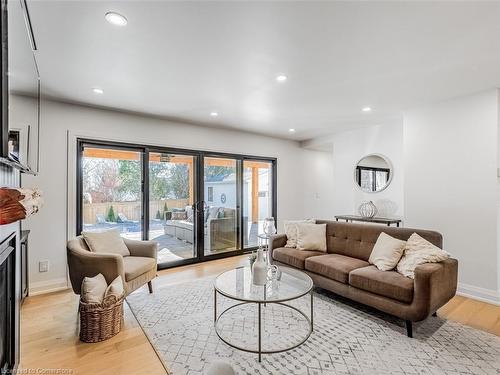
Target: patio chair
pixel 136 269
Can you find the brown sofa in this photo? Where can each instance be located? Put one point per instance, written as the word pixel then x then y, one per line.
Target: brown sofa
pixel 345 270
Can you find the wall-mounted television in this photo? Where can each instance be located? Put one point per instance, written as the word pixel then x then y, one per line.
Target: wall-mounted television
pixel 20 93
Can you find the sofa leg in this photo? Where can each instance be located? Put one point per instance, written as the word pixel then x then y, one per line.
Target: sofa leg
pixel 409 329
pixel 435 314
pixel 150 286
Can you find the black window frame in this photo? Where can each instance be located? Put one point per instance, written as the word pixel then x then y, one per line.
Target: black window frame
pixel 198 190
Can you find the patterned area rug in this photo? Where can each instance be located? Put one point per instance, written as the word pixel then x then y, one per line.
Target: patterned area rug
pixel 347 339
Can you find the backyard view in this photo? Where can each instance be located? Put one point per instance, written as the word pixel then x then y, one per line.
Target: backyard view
pixel 112 195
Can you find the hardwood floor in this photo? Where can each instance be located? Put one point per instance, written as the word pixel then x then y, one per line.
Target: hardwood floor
pixel 49 328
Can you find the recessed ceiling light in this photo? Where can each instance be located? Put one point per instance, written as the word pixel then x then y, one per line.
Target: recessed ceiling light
pixel 97 90
pixel 214 114
pixel 366 109
pixel 281 78
pixel 115 19
pixel 291 130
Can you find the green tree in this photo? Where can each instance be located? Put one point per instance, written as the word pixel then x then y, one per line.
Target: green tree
pixel 212 171
pixel 130 177
pixel 178 182
pixel 111 215
pixel 158 214
pixel 158 180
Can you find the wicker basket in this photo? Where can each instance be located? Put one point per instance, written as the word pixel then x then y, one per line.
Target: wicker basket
pixel 99 322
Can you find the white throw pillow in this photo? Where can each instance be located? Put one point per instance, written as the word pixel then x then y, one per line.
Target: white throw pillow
pixel 108 241
pixel 311 236
pixel 291 230
pixel 114 290
pixel 386 252
pixel 419 251
pixel 93 289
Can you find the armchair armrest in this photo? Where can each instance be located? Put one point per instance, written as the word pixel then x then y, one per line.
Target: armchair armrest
pixel 83 263
pixel 147 249
pixel 277 240
pixel 435 284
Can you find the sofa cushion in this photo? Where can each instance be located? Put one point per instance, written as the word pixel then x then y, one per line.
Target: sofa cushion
pixel 385 283
pixel 293 257
pixel 136 266
pixel 334 266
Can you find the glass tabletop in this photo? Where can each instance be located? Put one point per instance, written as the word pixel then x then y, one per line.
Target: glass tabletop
pixel 237 284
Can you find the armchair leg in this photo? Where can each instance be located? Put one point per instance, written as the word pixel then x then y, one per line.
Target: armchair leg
pixel 150 287
pixel 435 314
pixel 409 329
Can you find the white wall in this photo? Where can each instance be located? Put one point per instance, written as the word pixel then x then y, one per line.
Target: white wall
pixel 317 177
pixel 348 148
pixel 451 183
pixel 62 123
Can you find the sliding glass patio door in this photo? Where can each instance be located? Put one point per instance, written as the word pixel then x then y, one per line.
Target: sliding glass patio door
pixel 196 205
pixel 111 190
pixel 221 226
pixel 172 222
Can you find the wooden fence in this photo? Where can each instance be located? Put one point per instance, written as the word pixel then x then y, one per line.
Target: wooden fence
pixel 132 210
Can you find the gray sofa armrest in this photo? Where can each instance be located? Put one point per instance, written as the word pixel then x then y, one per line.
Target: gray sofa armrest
pixel 83 263
pixel 277 240
pixel 147 249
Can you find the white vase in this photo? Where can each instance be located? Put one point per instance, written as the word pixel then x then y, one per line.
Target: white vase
pixel 259 269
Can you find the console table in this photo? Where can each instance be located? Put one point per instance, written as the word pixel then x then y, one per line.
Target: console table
pixel 378 220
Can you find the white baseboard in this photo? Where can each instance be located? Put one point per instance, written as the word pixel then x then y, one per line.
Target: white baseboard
pixel 480 294
pixel 42 287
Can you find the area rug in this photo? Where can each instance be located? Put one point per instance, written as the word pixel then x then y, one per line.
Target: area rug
pixel 347 338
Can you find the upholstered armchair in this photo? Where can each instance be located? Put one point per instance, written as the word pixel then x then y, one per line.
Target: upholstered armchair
pixel 136 270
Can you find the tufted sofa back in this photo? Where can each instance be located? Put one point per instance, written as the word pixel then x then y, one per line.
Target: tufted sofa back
pixel 357 240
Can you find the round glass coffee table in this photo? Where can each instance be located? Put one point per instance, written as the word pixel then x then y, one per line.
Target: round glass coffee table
pixel 237 285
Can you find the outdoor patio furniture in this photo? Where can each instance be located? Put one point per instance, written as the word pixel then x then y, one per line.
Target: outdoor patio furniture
pixel 220 232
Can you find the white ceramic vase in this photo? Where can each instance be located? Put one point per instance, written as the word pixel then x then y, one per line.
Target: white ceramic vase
pixel 259 269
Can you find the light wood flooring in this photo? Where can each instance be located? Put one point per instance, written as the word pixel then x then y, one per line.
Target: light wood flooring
pixel 49 328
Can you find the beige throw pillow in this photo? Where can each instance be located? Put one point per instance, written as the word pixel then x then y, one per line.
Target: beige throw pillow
pixel 108 241
pixel 311 236
pixel 291 230
pixel 419 251
pixel 93 289
pixel 115 290
pixel 386 252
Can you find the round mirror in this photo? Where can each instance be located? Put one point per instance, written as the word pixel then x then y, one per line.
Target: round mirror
pixel 373 173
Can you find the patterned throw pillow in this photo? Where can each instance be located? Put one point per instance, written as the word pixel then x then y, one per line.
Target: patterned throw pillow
pixel 291 231
pixel 181 215
pixel 419 251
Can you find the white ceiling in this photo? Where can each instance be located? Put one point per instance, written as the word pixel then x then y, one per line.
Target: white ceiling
pixel 182 60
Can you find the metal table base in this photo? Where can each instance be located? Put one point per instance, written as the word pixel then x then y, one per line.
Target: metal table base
pixel 259 304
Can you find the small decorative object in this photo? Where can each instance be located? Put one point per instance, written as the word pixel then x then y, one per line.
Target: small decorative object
pixel 367 209
pixel 252 257
pixel 269 227
pixel 275 272
pixel 259 269
pixel 17 204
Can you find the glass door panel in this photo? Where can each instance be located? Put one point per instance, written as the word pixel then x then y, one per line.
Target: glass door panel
pixel 257 198
pixel 221 212
pixel 112 190
pixel 171 197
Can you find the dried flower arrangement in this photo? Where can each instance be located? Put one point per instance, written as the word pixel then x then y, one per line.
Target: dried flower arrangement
pixel 17 204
